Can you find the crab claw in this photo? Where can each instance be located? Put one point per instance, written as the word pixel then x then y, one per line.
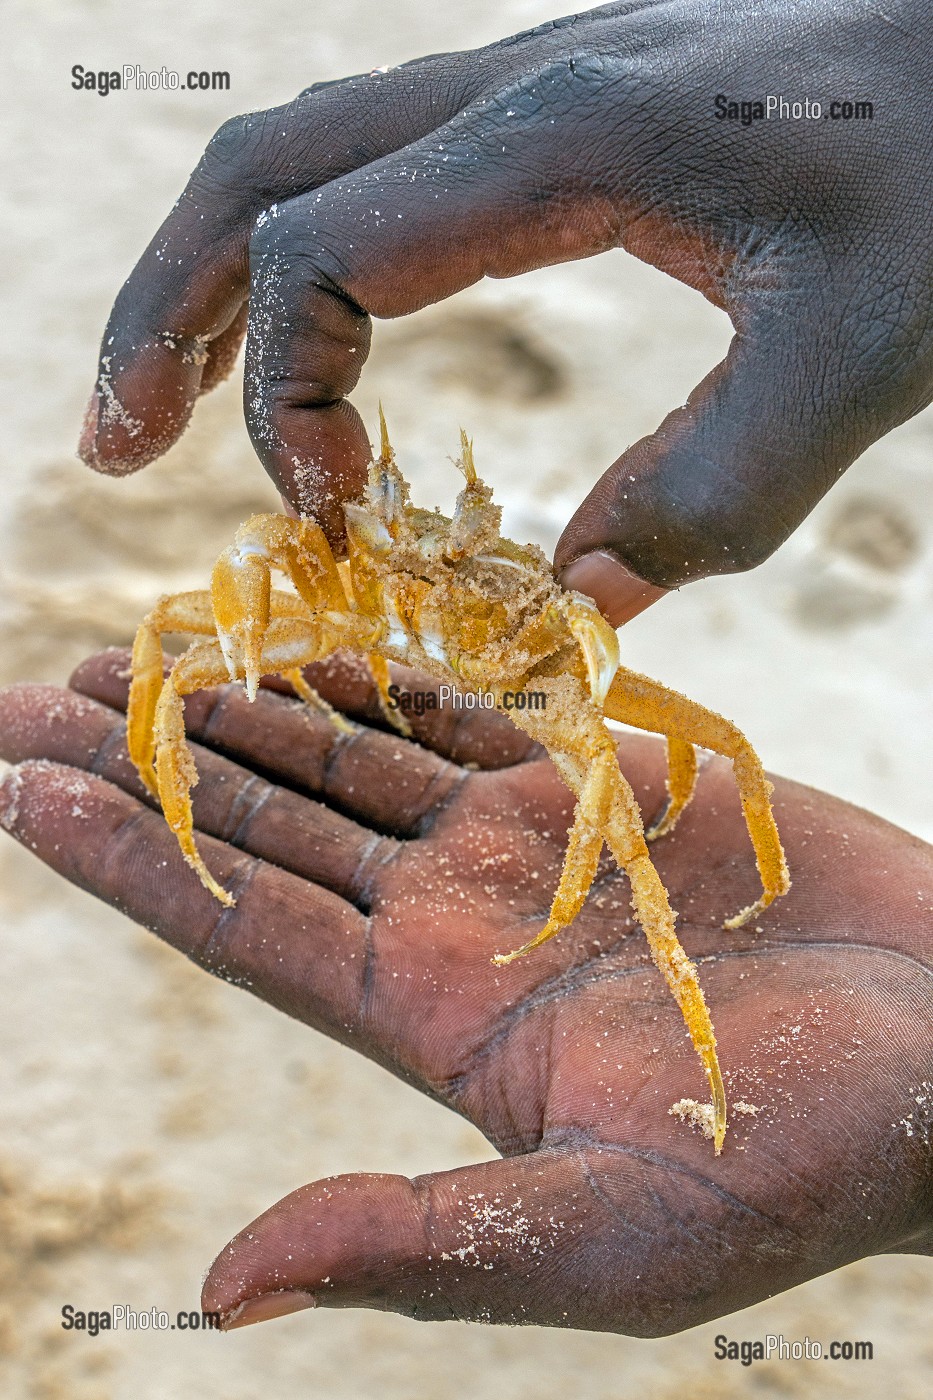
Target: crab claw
pixel 240 593
pixel 597 641
pixel 367 532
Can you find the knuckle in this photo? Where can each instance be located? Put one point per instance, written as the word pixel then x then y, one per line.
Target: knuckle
pixel 561 83
pixel 269 232
pixel 234 154
pixel 231 137
pixel 287 251
pixel 227 146
pixel 283 226
pixel 281 241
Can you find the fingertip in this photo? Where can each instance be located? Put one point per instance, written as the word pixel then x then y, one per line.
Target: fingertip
pixel 38 720
pixel 39 776
pixel 619 593
pixel 342 1241
pixel 87 441
pixel 317 457
pixel 19 694
pixel 11 787
pixel 115 443
pixel 40 799
pixel 141 404
pixel 105 676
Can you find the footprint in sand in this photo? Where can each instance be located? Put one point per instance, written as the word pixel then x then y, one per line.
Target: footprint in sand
pixel 856 573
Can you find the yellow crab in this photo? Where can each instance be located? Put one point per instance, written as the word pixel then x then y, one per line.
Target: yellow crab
pixel 452 598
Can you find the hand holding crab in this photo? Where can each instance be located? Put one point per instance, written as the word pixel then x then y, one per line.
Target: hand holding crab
pixel 605 1212
pixel 378 194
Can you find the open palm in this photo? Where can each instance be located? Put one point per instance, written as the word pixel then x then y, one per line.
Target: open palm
pixel 376 877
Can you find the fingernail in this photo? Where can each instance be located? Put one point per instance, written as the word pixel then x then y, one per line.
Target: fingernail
pixel 619 594
pixel 87 443
pixel 267 1306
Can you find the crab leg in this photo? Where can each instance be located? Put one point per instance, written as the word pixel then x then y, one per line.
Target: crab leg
pixel 309 695
pixel 654 912
pixel 379 670
pixel 202 665
pixel 645 704
pixel 182 612
pixel 599 646
pixel 241 585
pixel 681 780
pixel 584 845
pixel 291 642
pixel 585 755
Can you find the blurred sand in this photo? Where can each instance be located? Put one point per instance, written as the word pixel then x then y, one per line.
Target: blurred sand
pixel 150 1112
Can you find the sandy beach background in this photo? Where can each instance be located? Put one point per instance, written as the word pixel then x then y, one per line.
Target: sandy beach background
pixel 149 1112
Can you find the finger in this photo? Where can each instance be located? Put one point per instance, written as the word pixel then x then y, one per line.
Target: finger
pixel 596 1236
pixel 497 1242
pixel 172 327
pixel 278 742
pixel 223 351
pixel 175 325
pixel 376 778
pixel 818 370
pixel 486 195
pixel 473 738
pixel 298 947
pixel 229 802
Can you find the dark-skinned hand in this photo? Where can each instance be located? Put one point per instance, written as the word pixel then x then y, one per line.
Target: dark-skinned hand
pixel 379 194
pixel 376 877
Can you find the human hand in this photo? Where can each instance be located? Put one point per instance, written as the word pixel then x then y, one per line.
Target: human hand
pixel 375 879
pixel 379 194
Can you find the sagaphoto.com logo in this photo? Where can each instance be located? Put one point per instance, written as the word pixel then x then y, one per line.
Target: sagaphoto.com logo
pixel 775 107
pixel 132 78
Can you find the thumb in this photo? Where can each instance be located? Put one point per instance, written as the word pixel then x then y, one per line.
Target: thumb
pixel 494 1242
pixel 812 377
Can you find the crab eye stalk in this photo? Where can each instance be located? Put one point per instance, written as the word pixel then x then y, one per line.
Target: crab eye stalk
pixel 467 465
pixel 476 521
pixel 387 452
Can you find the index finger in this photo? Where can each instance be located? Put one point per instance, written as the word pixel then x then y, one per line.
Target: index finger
pixel 178 321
